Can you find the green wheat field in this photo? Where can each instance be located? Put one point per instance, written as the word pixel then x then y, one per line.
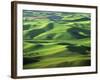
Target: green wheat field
pixel 56 39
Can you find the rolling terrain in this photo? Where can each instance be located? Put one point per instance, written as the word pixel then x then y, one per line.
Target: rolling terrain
pixel 56 39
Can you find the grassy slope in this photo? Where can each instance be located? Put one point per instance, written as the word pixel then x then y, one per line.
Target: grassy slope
pixel 57 61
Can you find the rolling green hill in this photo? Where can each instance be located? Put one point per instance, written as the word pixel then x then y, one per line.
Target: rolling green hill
pixel 56 39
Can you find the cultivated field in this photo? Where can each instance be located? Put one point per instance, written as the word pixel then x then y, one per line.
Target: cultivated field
pixel 56 39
